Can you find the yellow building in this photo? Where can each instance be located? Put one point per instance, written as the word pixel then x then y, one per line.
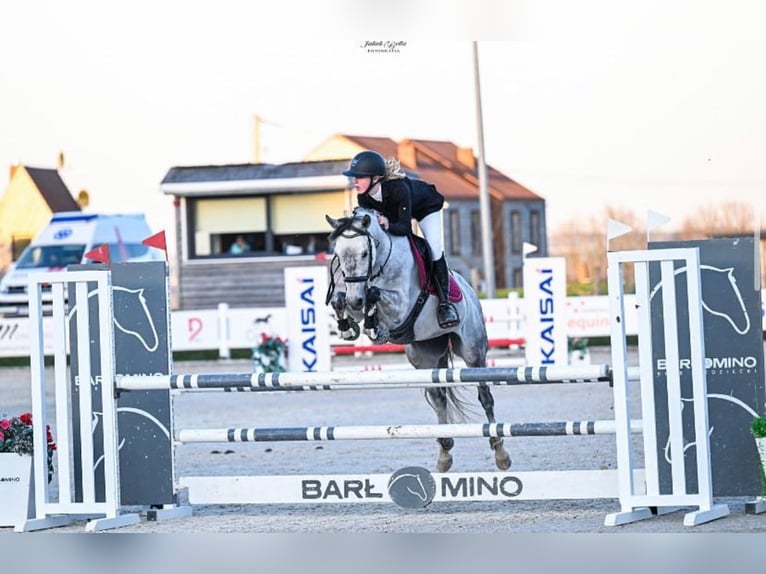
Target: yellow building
pixel 32 196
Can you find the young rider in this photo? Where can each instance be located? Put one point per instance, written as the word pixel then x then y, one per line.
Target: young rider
pixel 382 185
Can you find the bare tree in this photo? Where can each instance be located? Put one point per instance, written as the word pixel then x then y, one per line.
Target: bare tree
pixel 727 218
pixel 582 241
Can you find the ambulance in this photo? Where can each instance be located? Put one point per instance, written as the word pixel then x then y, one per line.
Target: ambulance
pixel 65 241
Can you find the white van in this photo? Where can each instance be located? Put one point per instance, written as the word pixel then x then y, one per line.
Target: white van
pixel 65 241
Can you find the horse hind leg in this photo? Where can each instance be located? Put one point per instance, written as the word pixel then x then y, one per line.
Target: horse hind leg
pixel 502 458
pixel 437 398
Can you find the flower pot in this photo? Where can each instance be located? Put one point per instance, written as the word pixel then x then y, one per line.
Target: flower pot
pixel 760 444
pixel 16 490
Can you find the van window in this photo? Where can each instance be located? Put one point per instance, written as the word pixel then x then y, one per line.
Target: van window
pixel 51 256
pixel 122 252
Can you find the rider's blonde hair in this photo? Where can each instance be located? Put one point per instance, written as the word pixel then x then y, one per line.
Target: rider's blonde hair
pixel 393 169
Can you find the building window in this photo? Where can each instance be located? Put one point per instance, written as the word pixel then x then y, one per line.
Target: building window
pixel 518 277
pixel 265 225
pixel 535 237
pixel 475 233
pixel 454 232
pixel 517 240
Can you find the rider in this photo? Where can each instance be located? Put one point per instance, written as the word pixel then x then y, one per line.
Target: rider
pixel 382 185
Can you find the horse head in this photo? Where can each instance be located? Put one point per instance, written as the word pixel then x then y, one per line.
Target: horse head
pixel 356 240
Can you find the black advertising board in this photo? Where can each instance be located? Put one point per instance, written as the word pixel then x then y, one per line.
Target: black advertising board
pixel 142 347
pixel 733 338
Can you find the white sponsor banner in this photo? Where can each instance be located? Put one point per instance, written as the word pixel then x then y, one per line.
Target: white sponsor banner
pixel 308 337
pixel 15 336
pixel 370 488
pixel 586 316
pixel 194 330
pixel 545 288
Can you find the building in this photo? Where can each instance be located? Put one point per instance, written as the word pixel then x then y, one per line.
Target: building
pixel 278 213
pixel 32 196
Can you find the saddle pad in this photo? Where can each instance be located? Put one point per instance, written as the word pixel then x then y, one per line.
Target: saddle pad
pixel 455 294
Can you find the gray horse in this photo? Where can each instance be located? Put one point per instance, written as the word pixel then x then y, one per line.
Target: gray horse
pixel 379 284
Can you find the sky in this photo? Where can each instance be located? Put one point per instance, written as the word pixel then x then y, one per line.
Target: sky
pixel 652 105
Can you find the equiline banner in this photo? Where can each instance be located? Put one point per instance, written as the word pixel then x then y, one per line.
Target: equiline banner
pixel 141 347
pixel 731 301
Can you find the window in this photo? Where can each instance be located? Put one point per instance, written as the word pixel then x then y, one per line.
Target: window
pixel 518 277
pixel 475 233
pixel 298 223
pixel 280 224
pixel 534 228
pixel 517 240
pixel 454 232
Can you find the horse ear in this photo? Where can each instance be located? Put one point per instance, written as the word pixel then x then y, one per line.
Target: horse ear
pixel 331 221
pixel 366 220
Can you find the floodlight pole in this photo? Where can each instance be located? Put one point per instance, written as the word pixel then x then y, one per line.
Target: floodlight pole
pixel 484 205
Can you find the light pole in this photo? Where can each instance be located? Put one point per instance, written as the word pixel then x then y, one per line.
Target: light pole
pixel 486 218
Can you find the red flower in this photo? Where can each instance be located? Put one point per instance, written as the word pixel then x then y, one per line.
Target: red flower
pixel 26 418
pixel 5 424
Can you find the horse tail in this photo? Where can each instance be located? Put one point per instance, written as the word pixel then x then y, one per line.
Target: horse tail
pixel 456 408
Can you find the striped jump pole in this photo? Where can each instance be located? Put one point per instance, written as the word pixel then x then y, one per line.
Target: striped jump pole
pixel 385 379
pixel 374 432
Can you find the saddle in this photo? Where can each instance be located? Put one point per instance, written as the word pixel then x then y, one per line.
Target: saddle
pixel 422 255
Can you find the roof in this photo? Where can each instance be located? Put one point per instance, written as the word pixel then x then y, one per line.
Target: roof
pixel 450 168
pixel 53 189
pixel 253 171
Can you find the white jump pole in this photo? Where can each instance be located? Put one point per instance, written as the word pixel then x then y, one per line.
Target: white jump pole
pixel 366 432
pixel 283 381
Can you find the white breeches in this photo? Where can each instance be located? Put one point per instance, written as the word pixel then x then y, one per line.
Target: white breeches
pixel 431 226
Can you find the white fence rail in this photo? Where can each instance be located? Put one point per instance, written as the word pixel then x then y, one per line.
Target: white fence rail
pixel 226 328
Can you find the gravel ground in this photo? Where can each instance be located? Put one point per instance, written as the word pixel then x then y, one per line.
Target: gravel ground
pixel 588 401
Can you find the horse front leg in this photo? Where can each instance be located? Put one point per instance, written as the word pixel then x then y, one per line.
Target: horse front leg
pixel 502 458
pixel 348 328
pixel 372 326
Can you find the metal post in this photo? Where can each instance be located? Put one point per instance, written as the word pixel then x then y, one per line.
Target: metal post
pixel 486 219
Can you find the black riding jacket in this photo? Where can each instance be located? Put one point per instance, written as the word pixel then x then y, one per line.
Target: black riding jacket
pixel 403 200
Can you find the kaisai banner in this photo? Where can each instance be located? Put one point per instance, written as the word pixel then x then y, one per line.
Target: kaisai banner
pixel 308 338
pixel 545 284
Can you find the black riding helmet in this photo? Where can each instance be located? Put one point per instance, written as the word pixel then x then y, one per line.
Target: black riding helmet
pixel 366 164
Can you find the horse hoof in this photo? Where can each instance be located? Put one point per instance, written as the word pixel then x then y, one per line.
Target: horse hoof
pixel 503 462
pixel 444 463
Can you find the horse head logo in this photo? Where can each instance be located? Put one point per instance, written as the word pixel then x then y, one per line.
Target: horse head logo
pixel 722 282
pixel 412 487
pixel 131 316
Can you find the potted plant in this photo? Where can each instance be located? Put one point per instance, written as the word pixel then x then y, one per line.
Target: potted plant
pixel 16 448
pixel 579 354
pixel 758 430
pixel 269 354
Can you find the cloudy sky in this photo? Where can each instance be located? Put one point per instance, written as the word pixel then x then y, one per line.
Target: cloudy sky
pixel 651 105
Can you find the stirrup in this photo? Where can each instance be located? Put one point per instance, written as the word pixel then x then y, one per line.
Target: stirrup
pixel 447 316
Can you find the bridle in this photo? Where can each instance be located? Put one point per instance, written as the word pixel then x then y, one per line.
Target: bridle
pixel 350 231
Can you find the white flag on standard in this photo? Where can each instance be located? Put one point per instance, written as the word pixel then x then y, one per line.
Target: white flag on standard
pixel 615 229
pixel 655 219
pixel 527 248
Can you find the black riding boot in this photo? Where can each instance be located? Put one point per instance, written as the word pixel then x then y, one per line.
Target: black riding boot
pixel 446 314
